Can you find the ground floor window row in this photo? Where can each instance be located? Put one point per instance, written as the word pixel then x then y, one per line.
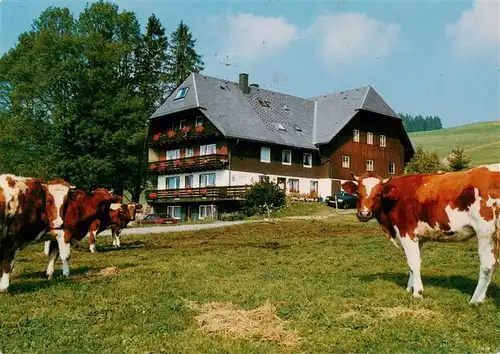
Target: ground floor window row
pixel 292 185
pixel 189 212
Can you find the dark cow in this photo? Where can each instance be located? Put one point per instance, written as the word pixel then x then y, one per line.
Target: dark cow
pixel 29 210
pixel 81 209
pixel 453 206
pixel 119 217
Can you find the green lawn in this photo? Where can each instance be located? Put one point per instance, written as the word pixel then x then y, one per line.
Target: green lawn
pixel 482 141
pixel 338 284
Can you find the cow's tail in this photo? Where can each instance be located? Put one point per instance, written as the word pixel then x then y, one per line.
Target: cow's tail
pixel 46 248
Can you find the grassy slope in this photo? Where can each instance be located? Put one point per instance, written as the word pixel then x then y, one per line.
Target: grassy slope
pixel 338 282
pixel 481 139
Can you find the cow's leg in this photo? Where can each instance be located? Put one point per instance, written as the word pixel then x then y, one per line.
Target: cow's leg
pixel 7 261
pixel 64 252
pixel 92 234
pixel 53 252
pixel 487 267
pixel 412 251
pixel 116 237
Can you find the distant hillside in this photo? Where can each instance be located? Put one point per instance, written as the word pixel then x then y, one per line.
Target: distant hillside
pixel 482 141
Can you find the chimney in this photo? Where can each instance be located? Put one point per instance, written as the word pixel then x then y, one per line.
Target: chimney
pixel 244 83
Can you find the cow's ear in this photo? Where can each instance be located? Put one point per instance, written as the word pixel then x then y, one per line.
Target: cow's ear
pixel 389 191
pixel 350 187
pixel 138 207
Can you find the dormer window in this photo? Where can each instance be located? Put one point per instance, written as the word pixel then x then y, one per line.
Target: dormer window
pixel 280 126
pixel 297 128
pixel 199 121
pixel 181 93
pixel 355 135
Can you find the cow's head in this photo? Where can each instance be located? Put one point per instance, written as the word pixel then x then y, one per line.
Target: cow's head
pixel 56 198
pixel 98 202
pixel 370 189
pixel 130 210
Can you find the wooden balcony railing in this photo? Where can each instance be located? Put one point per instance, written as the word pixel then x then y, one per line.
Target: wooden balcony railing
pixel 186 164
pixel 189 132
pixel 204 193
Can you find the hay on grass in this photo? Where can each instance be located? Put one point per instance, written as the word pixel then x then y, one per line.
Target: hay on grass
pixel 223 318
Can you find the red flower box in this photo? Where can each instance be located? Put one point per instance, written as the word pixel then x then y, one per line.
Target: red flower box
pixel 153 195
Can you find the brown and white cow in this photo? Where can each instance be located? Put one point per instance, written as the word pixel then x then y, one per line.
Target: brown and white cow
pixel 29 210
pixel 453 206
pixel 119 217
pixel 80 210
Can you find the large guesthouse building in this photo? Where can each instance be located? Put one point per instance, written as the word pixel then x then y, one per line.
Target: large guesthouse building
pixel 212 138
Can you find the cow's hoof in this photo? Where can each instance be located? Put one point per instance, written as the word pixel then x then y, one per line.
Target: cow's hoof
pixel 4 291
pixel 50 276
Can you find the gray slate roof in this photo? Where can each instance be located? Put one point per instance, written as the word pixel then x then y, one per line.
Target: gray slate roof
pixel 239 115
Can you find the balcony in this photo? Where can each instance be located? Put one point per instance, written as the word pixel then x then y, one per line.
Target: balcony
pixel 171 136
pixel 197 194
pixel 189 164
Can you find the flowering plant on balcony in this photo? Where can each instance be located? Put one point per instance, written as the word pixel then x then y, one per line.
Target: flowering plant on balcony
pixel 176 194
pixel 190 162
pixel 152 167
pixel 185 130
pixel 157 136
pixel 162 166
pixel 199 129
pixel 153 195
pixel 223 150
pixel 189 190
pixel 171 133
pixel 203 191
pixel 293 190
pixel 177 163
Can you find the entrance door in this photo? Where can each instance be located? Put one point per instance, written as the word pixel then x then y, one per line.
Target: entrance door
pixel 282 183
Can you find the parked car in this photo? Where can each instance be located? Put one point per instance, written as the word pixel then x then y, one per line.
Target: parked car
pixel 158 219
pixel 345 200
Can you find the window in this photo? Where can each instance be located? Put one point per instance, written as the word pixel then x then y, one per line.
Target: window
pixel 173 182
pixel 188 181
pixel 182 124
pixel 173 154
pixel 181 93
pixel 199 121
pixel 174 211
pixel 345 161
pixel 265 154
pixel 286 157
pixel 307 159
pixel 392 168
pixel 314 187
pixel 369 165
pixel 208 212
pixel 280 127
pixel 293 185
pixel 297 128
pixel 189 152
pixel 355 135
pixel 369 138
pixel 207 180
pixel 383 141
pixel 207 149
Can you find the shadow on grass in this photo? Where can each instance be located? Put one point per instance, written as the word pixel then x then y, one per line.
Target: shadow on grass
pixel 464 284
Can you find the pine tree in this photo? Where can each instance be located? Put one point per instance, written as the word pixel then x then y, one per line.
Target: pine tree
pixel 458 160
pixel 183 57
pixel 424 162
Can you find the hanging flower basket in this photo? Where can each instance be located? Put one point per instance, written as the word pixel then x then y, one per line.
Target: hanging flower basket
pixel 171 134
pixel 200 129
pixel 153 195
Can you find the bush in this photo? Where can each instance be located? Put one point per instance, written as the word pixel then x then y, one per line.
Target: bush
pixel 231 216
pixel 262 197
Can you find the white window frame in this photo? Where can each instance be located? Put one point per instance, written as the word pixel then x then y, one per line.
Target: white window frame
pixel 177 182
pixel 355 135
pixel 187 185
pixel 171 211
pixel 205 178
pixel 393 165
pixel 208 149
pixel 191 152
pixel 181 93
pixel 283 154
pixel 205 214
pixel 176 152
pixel 346 161
pixel 182 124
pixel 383 141
pixel 262 149
pixel 304 159
pixel 369 138
pixel 313 185
pixel 369 165
pixel 290 183
pixel 199 121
